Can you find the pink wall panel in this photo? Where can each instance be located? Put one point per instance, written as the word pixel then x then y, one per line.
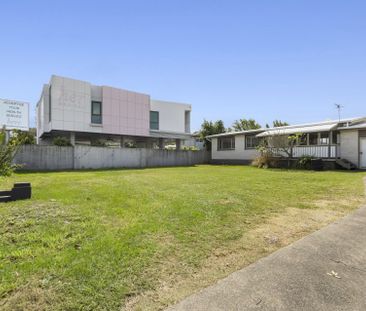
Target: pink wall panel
pixel 125 112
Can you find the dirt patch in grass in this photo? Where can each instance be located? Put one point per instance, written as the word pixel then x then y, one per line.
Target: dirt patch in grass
pixel 177 282
pixel 33 296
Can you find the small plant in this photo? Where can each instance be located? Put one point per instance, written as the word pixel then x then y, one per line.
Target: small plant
pixel 8 151
pixel 191 148
pixel 265 157
pixel 61 141
pixel 23 137
pixel 130 144
pixel 98 143
pixel 304 162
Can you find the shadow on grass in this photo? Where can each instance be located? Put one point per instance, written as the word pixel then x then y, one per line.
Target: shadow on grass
pixel 278 170
pixel 27 172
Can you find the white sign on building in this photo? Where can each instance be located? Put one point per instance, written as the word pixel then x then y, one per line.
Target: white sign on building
pixel 14 115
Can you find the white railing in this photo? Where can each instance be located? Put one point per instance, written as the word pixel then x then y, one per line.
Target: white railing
pixel 322 151
pixel 316 151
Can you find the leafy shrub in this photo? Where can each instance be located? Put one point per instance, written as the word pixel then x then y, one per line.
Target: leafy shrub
pixel 130 144
pixel 191 148
pixel 8 151
pixel 61 141
pixel 98 143
pixel 304 162
pixel 23 137
pixel 265 158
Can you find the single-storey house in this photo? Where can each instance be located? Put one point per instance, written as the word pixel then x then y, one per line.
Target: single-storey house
pixel 342 142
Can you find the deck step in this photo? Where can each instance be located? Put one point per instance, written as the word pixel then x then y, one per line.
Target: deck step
pixel 346 164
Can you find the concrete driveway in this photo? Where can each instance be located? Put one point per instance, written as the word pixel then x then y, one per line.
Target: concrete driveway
pixel 325 270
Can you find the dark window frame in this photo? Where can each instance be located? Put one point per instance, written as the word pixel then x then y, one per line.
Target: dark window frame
pixel 155 123
pixel 302 140
pixel 222 143
pixel 324 138
pixel 251 145
pixel 96 118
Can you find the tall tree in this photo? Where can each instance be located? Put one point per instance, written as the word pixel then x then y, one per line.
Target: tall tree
pixel 279 123
pixel 211 128
pixel 246 124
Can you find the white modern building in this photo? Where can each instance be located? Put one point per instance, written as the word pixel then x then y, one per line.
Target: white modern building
pixel 342 142
pixel 89 114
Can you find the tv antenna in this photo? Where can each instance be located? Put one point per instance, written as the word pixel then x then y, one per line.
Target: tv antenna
pixel 339 108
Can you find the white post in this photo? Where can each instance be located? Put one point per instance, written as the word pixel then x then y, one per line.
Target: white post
pixel 161 143
pixel 72 139
pixel 177 144
pixel 7 136
pixel 122 141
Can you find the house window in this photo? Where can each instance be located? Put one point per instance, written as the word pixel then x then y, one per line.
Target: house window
pixel 251 142
pixel 313 138
pixel 324 138
pixel 303 139
pixel 96 112
pixel 154 120
pixel 226 143
pixel 335 138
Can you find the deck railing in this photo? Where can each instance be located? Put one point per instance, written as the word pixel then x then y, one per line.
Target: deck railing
pixel 317 151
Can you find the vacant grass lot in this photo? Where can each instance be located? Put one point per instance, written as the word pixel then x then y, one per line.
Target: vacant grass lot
pixel 142 239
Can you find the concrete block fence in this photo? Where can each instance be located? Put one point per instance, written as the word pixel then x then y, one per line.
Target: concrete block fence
pixel 51 158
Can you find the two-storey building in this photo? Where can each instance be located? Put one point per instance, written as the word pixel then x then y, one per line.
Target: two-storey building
pixel 90 114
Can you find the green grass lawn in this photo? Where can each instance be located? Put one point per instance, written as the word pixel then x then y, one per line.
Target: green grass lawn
pixel 106 240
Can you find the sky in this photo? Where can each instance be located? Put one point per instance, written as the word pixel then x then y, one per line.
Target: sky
pixel 263 59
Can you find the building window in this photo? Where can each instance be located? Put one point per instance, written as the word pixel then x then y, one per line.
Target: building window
pixel 226 143
pixel 303 140
pixel 251 142
pixel 335 138
pixel 96 112
pixel 313 138
pixel 324 138
pixel 154 120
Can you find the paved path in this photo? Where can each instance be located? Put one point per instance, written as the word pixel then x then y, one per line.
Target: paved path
pixel 296 277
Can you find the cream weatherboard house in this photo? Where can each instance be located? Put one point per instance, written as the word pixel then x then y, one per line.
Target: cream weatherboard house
pixel 342 142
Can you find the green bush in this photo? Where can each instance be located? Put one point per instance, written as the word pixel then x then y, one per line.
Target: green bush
pixel 8 151
pixel 98 143
pixel 265 157
pixel 130 144
pixel 23 137
pixel 61 141
pixel 304 162
pixel 191 148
